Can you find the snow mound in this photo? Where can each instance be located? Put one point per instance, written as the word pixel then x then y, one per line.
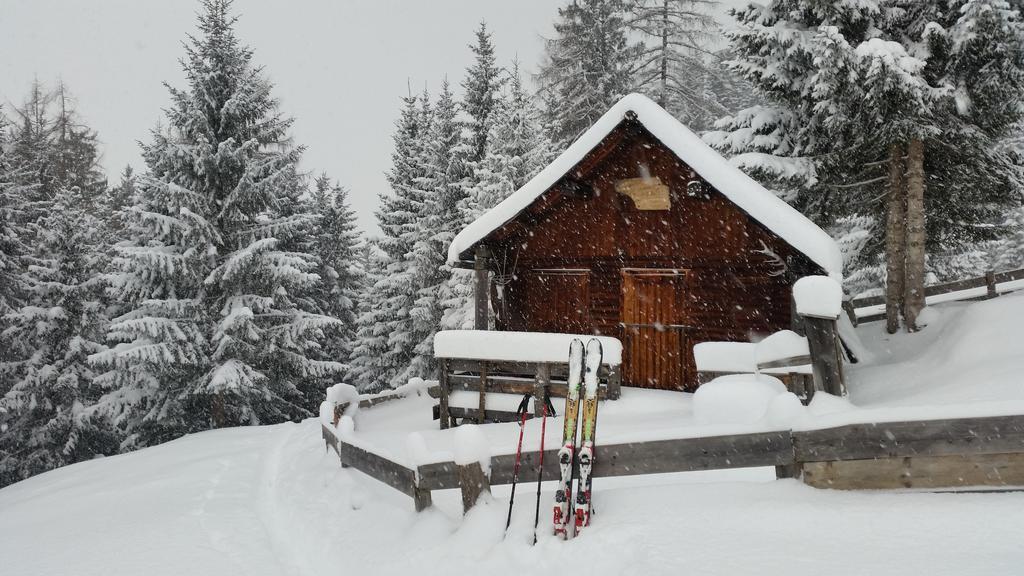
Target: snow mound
pixel 818 297
pixel 784 410
pixel 472 445
pixel 518 346
pixel 736 398
pixel 342 393
pixel 725 357
pixel 824 404
pixel 780 346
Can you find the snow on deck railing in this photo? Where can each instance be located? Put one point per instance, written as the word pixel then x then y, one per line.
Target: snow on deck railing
pixel 811 450
pixel 518 346
pixel 344 398
pixel 992 284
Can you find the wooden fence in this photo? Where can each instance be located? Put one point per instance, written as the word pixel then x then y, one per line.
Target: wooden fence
pixel 503 377
pixel 946 453
pixel 990 281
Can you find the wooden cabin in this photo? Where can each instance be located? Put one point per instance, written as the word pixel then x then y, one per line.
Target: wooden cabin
pixel 641 231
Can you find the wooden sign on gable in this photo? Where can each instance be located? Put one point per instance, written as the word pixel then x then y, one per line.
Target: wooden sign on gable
pixel 647 193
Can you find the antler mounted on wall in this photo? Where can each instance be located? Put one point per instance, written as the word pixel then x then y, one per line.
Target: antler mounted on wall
pixel 776 263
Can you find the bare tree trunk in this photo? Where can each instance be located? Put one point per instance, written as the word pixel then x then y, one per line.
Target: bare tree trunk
pixel 913 299
pixel 663 92
pixel 895 240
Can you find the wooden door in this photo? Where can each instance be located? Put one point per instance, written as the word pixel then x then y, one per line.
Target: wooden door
pixel 654 329
pixel 558 301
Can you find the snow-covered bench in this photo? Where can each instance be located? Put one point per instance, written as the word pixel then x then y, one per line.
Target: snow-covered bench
pixel 784 354
pixel 804 364
pixel 495 363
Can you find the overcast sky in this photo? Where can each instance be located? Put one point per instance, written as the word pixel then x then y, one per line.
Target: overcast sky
pixel 339 66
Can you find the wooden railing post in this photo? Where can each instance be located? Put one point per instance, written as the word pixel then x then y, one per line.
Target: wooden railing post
pixel 421 499
pixel 990 284
pixel 482 288
pixel 481 414
pixel 614 382
pixel 540 387
pixel 444 390
pixel 473 483
pixel 826 356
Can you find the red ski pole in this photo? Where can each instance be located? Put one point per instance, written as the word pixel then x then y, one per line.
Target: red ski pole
pixel 523 406
pixel 540 466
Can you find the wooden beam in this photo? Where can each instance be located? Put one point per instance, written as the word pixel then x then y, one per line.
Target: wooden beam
pixel 513 385
pixel 444 391
pixel 614 383
pixel 991 435
pixel 421 499
pixel 482 389
pixel 920 472
pixel 656 457
pixel 826 357
pixel 456 412
pixel 473 483
pixel 542 388
pixel 377 467
pixel 481 288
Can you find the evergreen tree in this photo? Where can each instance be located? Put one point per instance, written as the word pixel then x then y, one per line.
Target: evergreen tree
pixel 221 328
pixel 385 341
pixel 336 246
pixel 441 220
pixel 48 410
pixel 119 200
pixel 866 102
pixel 56 150
pixel 481 86
pixel 588 66
pixel 674 65
pixel 518 149
pixel 14 234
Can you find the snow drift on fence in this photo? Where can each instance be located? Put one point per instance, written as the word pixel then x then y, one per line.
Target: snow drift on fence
pixel 517 346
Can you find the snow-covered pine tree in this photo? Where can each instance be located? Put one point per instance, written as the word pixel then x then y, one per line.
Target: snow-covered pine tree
pixel 480 87
pixel 482 99
pixel 675 65
pixel 336 245
pixel 48 412
pixel 119 200
pixel 385 341
pixel 14 233
pixel 518 148
pixel 221 329
pixel 443 195
pixel 366 369
pixel 56 150
pixel 587 66
pixel 854 89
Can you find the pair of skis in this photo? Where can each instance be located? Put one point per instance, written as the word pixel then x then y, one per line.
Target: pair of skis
pixel 583 367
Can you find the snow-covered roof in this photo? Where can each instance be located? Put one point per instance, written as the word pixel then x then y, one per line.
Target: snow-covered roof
pixel 763 206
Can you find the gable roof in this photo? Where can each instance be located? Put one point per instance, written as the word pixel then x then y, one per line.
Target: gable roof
pixel 762 205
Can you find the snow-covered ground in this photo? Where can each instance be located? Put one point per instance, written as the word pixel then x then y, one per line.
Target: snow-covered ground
pixel 272 500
